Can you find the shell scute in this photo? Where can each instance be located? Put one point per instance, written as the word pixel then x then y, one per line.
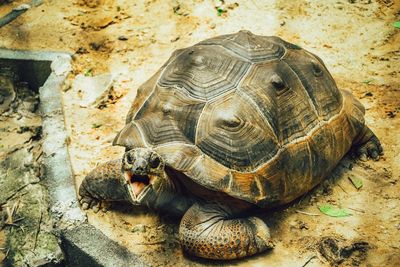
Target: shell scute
pixel 289 110
pixel 230 129
pixel 250 46
pixel 316 80
pixel 169 115
pixel 205 72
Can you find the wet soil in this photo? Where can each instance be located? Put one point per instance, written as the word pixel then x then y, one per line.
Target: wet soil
pixel 356 40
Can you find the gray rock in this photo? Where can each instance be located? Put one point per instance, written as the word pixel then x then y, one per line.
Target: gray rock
pixel 93 91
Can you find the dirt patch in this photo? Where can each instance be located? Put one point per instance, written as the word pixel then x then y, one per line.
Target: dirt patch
pixel 356 40
pixel 25 226
pixel 335 251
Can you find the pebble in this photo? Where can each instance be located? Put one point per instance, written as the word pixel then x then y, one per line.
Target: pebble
pixel 175 39
pixel 122 38
pixel 139 228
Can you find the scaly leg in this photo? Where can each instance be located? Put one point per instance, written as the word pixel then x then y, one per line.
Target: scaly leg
pixel 212 231
pixel 102 184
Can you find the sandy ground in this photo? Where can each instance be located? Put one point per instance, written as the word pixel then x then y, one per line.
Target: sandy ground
pixel 356 40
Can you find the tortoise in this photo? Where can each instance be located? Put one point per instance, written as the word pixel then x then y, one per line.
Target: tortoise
pixel 226 129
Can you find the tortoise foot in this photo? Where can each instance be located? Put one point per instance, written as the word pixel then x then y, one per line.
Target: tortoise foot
pixel 101 186
pixel 372 148
pixel 88 202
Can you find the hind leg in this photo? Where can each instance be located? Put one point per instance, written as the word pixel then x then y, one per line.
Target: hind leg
pixel 102 184
pixel 367 145
pixel 213 231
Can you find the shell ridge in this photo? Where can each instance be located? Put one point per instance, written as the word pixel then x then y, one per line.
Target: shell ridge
pixel 197 124
pixel 226 49
pixel 133 116
pixel 145 141
pixel 254 104
pixel 302 81
pixel 174 143
pixel 302 138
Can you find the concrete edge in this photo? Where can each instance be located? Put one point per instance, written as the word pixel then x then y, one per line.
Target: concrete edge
pixel 59 176
pixel 81 243
pixel 78 252
pixel 32 55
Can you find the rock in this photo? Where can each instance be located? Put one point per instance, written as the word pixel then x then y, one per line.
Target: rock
pixel 61 66
pixel 175 39
pixel 122 38
pixel 81 50
pixel 7 92
pixel 31 103
pixel 93 91
pixel 139 228
pixel 95 45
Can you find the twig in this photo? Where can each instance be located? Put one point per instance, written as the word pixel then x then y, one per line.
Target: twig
pixel 362 211
pixel 342 188
pixel 38 229
pixel 11 212
pixel 12 224
pixel 5 256
pixel 19 219
pixel 308 261
pixel 18 190
pixel 307 213
pixel 150 243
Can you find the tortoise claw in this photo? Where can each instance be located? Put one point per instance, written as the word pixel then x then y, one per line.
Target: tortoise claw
pixel 370 149
pixel 85 206
pixel 96 208
pixel 363 157
pixel 88 202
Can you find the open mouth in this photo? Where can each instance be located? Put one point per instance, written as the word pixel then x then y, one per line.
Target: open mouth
pixel 137 182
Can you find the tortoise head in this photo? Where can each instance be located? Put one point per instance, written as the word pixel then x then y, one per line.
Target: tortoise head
pixel 145 177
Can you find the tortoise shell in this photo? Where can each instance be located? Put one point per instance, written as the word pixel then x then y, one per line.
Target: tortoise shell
pixel 252 116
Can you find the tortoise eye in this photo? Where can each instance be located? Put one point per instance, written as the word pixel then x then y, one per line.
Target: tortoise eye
pixel 155 162
pixel 129 158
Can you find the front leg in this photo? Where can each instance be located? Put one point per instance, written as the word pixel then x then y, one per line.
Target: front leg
pixel 212 231
pixel 102 184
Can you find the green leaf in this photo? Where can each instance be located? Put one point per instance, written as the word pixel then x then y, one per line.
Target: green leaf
pixel 88 73
pixel 332 211
pixel 397 24
pixel 357 182
pixel 176 10
pixel 220 11
pixel 95 125
pixel 368 81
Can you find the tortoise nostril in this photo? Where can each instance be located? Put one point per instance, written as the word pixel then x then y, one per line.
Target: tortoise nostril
pixel 129 158
pixel 139 169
